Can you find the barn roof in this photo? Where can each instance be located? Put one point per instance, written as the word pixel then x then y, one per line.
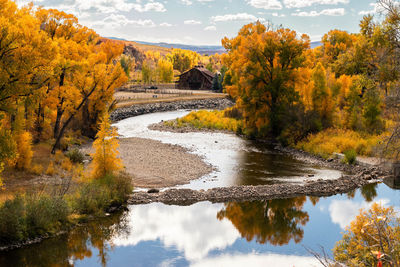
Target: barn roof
pixel 203 70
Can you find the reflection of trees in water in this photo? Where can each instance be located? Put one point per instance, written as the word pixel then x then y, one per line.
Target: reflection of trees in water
pixel 78 244
pixel 273 221
pixel 367 191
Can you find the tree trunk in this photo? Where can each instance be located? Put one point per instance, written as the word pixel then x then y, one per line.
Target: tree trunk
pixel 68 121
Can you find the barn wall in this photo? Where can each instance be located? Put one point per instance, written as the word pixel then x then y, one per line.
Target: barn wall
pixel 194 80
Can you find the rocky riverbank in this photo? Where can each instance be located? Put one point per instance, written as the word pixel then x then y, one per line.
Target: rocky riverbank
pixel 320 188
pixel 136 110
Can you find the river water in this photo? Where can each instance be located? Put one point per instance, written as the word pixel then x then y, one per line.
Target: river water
pixel 260 233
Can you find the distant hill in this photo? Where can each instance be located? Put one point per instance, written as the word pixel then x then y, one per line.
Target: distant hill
pixel 316 44
pixel 201 49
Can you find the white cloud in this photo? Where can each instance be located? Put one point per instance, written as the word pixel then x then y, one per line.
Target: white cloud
pixel 344 211
pixel 116 21
pixel 192 22
pixel 113 6
pixel 325 12
pixel 210 28
pixel 307 3
pixel 166 24
pixel 275 14
pixel 186 2
pixel 375 9
pixel 193 230
pixel 190 2
pixel 254 259
pixel 235 17
pixel 265 4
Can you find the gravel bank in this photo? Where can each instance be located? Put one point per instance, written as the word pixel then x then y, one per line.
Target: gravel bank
pixel 320 188
pixel 136 110
pixel 153 164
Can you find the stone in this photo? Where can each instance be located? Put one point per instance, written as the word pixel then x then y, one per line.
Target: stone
pixel 153 191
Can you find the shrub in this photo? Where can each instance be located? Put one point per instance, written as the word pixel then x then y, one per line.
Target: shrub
pixel 44 213
pixel 12 224
pixel 216 120
pixel 66 164
pixel 91 199
pixel 327 142
pixel 37 169
pixel 98 194
pixel 350 156
pixel 50 169
pixel 76 156
pixel 59 157
pixel 28 216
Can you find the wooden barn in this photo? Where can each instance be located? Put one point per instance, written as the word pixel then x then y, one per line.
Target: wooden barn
pixel 198 78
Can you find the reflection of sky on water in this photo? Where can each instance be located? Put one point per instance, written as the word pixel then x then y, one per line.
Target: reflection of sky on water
pixel 194 230
pixel 163 235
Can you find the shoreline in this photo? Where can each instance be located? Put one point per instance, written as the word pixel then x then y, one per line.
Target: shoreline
pixel 141 109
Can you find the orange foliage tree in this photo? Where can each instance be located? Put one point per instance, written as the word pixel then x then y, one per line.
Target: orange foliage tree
pixel 263 68
pixel 105 159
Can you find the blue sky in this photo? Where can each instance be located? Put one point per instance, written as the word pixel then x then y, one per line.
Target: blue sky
pixel 203 22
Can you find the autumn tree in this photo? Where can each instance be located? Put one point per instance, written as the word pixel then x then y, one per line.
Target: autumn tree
pixel 165 71
pixel 374 234
pixel 105 158
pixel 321 96
pixel 263 67
pixel 183 60
pixel 148 72
pixel 85 73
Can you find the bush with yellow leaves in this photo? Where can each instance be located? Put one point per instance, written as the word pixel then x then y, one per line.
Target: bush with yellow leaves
pixel 204 119
pixel 327 142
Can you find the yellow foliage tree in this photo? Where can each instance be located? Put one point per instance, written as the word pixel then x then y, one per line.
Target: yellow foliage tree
pixel 374 233
pixel 165 70
pixel 264 66
pixel 105 159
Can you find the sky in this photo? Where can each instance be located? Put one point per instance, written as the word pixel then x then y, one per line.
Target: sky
pixel 206 22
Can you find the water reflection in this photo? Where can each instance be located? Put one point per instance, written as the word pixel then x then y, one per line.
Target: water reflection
pixel 273 221
pixel 79 244
pixel 259 233
pixel 193 230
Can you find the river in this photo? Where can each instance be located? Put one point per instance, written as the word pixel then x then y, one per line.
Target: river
pixel 261 233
